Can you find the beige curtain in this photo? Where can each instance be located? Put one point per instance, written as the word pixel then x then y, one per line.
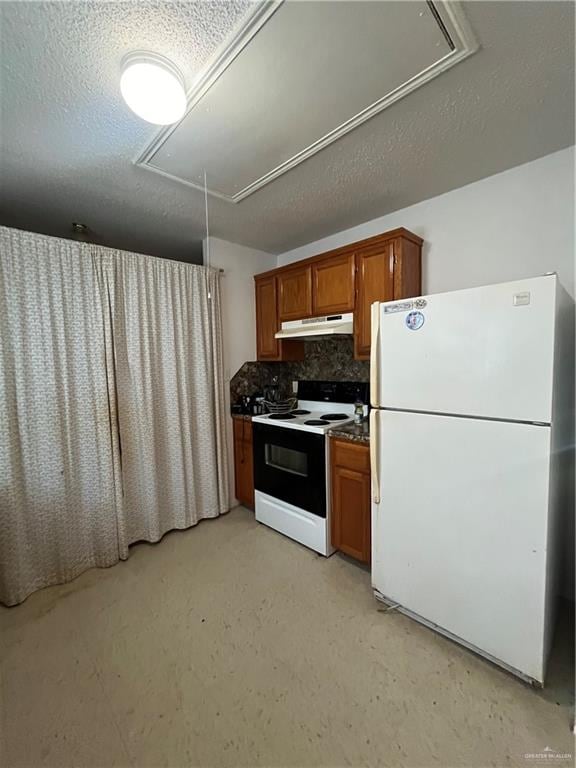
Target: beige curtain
pixel 58 468
pixel 170 386
pixel 111 406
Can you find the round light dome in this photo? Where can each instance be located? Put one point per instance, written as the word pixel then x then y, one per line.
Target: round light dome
pixel 153 88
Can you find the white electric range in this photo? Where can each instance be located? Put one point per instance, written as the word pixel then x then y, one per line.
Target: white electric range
pixel 291 461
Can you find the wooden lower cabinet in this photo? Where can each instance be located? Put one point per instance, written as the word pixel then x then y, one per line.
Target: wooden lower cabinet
pixel 243 462
pixel 350 513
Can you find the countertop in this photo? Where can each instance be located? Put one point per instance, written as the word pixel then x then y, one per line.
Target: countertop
pixel 356 433
pixel 243 416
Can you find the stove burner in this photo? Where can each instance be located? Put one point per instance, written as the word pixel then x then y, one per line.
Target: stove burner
pixel 300 412
pixel 281 416
pixel 335 416
pixel 316 422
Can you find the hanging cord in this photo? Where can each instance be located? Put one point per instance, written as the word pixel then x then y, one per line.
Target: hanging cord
pixel 207 229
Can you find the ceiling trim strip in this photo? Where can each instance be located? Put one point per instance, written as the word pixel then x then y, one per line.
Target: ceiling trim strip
pixel 449 16
pixel 219 62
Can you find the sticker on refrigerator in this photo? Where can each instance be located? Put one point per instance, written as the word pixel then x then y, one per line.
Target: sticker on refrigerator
pixel 404 306
pixel 414 321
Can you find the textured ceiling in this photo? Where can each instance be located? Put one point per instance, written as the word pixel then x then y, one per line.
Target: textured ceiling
pixel 308 101
pixel 68 141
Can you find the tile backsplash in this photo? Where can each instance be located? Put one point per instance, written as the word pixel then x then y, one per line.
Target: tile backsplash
pixel 330 359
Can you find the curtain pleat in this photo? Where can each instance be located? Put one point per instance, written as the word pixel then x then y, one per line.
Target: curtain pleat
pixel 58 495
pixel 103 265
pixel 170 386
pixel 112 415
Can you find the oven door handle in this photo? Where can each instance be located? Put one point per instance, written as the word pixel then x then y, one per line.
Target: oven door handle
pixel 374 454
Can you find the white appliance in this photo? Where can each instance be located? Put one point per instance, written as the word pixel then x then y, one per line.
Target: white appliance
pixel 291 461
pixel 308 417
pixel 472 463
pixel 329 325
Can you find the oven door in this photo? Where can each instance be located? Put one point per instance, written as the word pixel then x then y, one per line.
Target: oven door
pixel 290 465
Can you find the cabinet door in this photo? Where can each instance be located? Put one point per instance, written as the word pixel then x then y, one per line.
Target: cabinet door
pixel 333 285
pixel 295 293
pixel 243 463
pixel 248 475
pixel 266 319
pixel 407 268
pixel 351 512
pixel 374 282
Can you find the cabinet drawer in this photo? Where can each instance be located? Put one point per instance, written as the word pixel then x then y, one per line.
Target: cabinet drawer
pixel 351 455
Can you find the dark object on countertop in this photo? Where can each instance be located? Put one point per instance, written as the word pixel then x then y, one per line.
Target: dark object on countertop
pixel 249 405
pixel 279 406
pixel 358 410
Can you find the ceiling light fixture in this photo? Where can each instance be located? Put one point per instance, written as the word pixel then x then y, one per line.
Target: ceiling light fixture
pixel 153 87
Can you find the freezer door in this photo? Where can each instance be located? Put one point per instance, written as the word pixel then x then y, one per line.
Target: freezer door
pixel 459 535
pixel 480 352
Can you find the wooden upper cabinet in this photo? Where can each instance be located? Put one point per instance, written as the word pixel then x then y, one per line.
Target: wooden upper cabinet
pixel 268 347
pixel 333 285
pixel 295 293
pixel 407 267
pixel 374 282
pixel 384 272
pixel 349 279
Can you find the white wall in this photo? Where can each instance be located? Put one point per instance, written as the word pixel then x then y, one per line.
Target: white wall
pixel 516 224
pixel 240 264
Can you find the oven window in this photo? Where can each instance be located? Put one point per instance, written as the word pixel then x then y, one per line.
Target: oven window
pixel 286 459
pixel 290 465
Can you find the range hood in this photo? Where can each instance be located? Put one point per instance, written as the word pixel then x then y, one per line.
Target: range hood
pixel 329 325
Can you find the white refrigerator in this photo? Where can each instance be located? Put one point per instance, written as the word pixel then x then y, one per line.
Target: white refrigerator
pixel 472 396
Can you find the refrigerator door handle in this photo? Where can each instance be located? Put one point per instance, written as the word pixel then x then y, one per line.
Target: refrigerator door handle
pixel 375 354
pixel 374 453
